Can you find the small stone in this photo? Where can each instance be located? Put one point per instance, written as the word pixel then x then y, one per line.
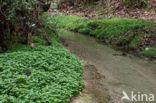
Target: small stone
pixel 146 48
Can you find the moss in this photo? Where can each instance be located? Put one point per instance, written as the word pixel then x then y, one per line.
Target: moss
pixel 151 52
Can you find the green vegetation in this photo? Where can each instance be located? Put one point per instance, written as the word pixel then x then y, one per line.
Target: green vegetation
pixel 137 40
pixel 128 33
pixel 64 21
pixel 19 20
pixel 150 52
pixel 39 75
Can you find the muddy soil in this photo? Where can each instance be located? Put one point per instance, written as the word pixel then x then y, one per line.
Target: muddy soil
pixel 93 84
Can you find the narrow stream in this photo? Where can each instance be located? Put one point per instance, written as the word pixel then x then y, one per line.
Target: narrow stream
pixel 107 75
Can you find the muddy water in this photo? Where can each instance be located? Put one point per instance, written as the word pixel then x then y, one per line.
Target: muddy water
pixel 107 75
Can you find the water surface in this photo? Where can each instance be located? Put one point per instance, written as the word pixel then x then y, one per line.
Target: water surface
pixel 117 73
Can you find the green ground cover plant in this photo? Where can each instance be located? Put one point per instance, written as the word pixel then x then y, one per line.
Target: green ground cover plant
pixel 43 74
pixel 128 33
pixel 62 21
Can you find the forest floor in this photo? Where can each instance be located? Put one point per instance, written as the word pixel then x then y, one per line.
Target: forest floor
pixel 98 10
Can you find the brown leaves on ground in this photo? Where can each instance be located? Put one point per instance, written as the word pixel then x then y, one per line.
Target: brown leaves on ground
pixel 28 73
pixel 109 9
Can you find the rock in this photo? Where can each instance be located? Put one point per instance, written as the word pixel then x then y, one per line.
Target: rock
pixel 146 48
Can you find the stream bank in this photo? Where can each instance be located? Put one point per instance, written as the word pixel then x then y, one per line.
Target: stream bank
pixel 134 36
pixel 114 73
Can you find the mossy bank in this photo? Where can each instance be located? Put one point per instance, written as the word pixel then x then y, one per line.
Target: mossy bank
pixel 134 35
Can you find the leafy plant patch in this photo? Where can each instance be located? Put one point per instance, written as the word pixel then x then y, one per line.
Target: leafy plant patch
pixel 45 74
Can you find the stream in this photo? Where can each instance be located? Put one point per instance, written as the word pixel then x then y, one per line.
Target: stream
pixel 107 73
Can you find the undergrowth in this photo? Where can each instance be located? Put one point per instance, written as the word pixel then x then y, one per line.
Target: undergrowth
pixel 43 74
pixel 150 52
pixel 65 21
